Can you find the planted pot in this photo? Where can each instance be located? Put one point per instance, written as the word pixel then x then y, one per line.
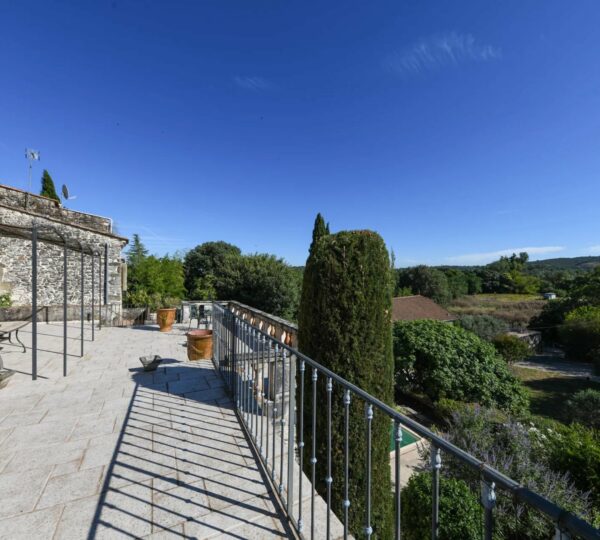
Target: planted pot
pixel 199 344
pixel 165 318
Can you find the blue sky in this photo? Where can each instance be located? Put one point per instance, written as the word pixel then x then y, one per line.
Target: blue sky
pixel 457 130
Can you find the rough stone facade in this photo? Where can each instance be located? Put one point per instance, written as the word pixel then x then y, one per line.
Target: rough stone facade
pixel 21 209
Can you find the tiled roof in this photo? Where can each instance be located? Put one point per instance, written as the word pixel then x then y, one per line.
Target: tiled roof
pixel 411 308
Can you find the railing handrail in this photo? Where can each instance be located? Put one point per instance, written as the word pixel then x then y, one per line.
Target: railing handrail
pixel 558 515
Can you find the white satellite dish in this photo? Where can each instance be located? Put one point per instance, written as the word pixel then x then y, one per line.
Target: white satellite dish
pixel 65 192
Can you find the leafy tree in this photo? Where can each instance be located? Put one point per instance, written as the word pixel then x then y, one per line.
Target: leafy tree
pixel 441 360
pixel 261 281
pixel 346 327
pixel 584 408
pixel 48 189
pixel 426 281
pixel 511 348
pixel 151 279
pixel 320 229
pixel 137 252
pixel 460 513
pixel 210 258
pixel 485 326
pixel 580 333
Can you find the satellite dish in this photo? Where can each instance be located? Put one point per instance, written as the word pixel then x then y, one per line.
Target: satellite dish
pixel 65 192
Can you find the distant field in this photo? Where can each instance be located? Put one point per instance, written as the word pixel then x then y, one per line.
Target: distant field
pixel 517 309
pixel 548 391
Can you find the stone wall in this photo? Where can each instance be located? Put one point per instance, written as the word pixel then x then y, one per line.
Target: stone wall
pixel 15 253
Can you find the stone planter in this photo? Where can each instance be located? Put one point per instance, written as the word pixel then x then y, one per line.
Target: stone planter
pixel 199 344
pixel 165 318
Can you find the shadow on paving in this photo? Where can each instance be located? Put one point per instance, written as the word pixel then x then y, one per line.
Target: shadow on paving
pixel 182 464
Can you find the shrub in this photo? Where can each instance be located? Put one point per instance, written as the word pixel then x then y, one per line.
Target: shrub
pixel 460 514
pixel 485 326
pixel 441 360
pixel 584 408
pixel 346 326
pixel 580 333
pixel 5 300
pixel 575 450
pixel 523 452
pixel 511 348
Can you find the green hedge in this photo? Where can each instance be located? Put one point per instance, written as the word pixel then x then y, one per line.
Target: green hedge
pixel 460 513
pixel 345 324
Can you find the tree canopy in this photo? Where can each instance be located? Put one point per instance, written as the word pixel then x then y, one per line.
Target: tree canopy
pixel 48 189
pixel 441 360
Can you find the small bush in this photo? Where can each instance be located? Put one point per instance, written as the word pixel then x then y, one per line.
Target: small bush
pixel 512 348
pixel 485 326
pixel 5 300
pixel 584 408
pixel 460 513
pixel 580 333
pixel 575 450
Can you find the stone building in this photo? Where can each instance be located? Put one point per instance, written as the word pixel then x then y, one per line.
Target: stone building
pixel 20 208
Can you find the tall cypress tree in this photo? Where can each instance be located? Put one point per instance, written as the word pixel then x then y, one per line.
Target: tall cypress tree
pixel 345 325
pixel 48 189
pixel 320 229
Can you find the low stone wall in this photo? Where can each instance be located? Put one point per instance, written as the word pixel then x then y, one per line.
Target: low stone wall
pixel 276 327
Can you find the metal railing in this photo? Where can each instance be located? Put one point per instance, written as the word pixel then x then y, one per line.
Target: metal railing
pixel 265 376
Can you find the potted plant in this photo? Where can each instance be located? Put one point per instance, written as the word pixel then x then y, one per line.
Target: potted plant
pixel 165 313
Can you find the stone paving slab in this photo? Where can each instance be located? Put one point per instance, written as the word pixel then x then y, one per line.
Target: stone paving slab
pixel 114 452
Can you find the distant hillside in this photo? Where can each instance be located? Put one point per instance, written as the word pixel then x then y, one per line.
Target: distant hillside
pixel 565 263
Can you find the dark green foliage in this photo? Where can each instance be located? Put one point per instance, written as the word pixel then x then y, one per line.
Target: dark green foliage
pixel 511 348
pixel 460 513
pixel 205 260
pixel 425 281
pixel 320 229
pixel 345 324
pixel 261 281
pixel 152 281
pixel 584 408
pixel 520 451
pixel 218 270
pixel 136 253
pixel 48 189
pixel 442 360
pixel 580 333
pixel 485 326
pixel 575 450
pixel 551 318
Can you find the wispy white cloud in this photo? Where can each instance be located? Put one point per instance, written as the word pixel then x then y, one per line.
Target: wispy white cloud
pixel 484 258
pixel 593 250
pixel 256 84
pixel 436 52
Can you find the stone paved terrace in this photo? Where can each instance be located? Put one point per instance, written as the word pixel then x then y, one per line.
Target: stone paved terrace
pixel 113 452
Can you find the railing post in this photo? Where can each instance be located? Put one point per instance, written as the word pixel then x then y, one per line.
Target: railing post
pixel 291 433
pixel 488 500
pixel 397 448
pixel 436 464
pixel 346 459
pixel 369 417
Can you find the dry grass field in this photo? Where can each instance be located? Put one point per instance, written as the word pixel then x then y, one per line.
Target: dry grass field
pixel 516 309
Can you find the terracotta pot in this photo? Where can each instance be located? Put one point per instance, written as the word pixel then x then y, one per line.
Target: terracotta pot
pixel 165 318
pixel 199 344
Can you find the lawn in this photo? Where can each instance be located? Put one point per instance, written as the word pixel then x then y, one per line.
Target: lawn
pixel 548 391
